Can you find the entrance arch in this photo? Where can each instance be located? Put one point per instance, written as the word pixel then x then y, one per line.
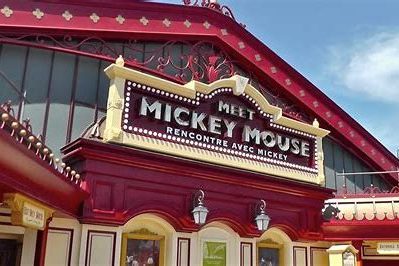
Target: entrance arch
pixel 274 247
pixel 217 242
pixel 148 239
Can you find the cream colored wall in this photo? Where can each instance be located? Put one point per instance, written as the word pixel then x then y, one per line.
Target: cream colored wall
pixel 101 246
pixel 57 250
pixel 28 247
pixel 320 255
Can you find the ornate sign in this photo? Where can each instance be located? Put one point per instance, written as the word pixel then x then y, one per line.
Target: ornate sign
pixel 227 122
pixel 27 212
pixel 388 248
pixel 349 259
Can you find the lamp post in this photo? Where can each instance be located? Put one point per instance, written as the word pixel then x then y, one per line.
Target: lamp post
pixel 262 219
pixel 200 211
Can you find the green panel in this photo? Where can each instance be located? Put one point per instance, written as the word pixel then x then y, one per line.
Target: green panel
pixel 214 254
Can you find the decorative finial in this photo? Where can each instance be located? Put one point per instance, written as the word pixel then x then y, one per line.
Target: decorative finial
pixel 214 4
pixel 119 61
pixel 316 123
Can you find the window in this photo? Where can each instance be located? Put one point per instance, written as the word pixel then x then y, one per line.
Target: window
pixel 143 248
pixel 269 253
pixel 337 160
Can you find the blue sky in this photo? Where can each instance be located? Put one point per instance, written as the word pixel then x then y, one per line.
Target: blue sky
pixel 347 48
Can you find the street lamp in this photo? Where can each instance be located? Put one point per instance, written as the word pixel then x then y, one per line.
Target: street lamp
pixel 200 211
pixel 262 219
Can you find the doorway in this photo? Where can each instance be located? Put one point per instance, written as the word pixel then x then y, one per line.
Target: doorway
pixel 10 252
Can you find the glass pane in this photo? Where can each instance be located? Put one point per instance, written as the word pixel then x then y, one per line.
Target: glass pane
pixel 329 163
pixel 134 51
pixel 339 165
pixel 36 86
pixel 142 252
pixel 268 257
pixel 12 63
pixel 62 78
pixel 60 98
pixel 173 53
pixel 367 178
pixel 57 127
pixel 376 181
pixel 384 185
pixel 359 180
pixel 153 51
pixel 103 86
pixel 350 179
pixel 101 114
pixel 87 79
pixel 82 118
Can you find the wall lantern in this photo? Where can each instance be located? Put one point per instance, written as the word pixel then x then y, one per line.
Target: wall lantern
pixel 200 211
pixel 262 219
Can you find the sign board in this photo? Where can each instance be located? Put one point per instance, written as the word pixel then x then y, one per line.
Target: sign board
pixel 33 216
pixel 227 122
pixel 343 254
pixel 214 254
pixel 27 212
pixel 391 248
pixel 349 259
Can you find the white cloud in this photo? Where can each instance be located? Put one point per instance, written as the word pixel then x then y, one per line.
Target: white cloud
pixel 369 67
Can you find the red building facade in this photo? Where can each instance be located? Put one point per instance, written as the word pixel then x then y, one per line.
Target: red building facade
pixel 189 103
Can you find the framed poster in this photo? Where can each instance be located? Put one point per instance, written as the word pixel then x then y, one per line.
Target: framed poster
pixel 214 253
pixel 142 252
pixel 142 248
pixel 268 256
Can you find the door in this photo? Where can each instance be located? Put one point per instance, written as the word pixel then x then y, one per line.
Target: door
pixel 8 252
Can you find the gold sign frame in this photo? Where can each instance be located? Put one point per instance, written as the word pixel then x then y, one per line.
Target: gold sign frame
pixel 25 211
pixel 119 75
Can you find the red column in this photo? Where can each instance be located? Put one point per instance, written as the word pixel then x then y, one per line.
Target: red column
pixel 358 245
pixel 41 244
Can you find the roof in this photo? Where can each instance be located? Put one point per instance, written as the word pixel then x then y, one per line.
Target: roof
pixel 124 19
pixel 28 166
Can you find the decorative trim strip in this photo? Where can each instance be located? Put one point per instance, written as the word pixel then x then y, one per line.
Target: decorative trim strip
pixel 179 252
pixel 294 249
pixel 242 259
pixel 90 235
pixel 68 231
pixel 312 250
